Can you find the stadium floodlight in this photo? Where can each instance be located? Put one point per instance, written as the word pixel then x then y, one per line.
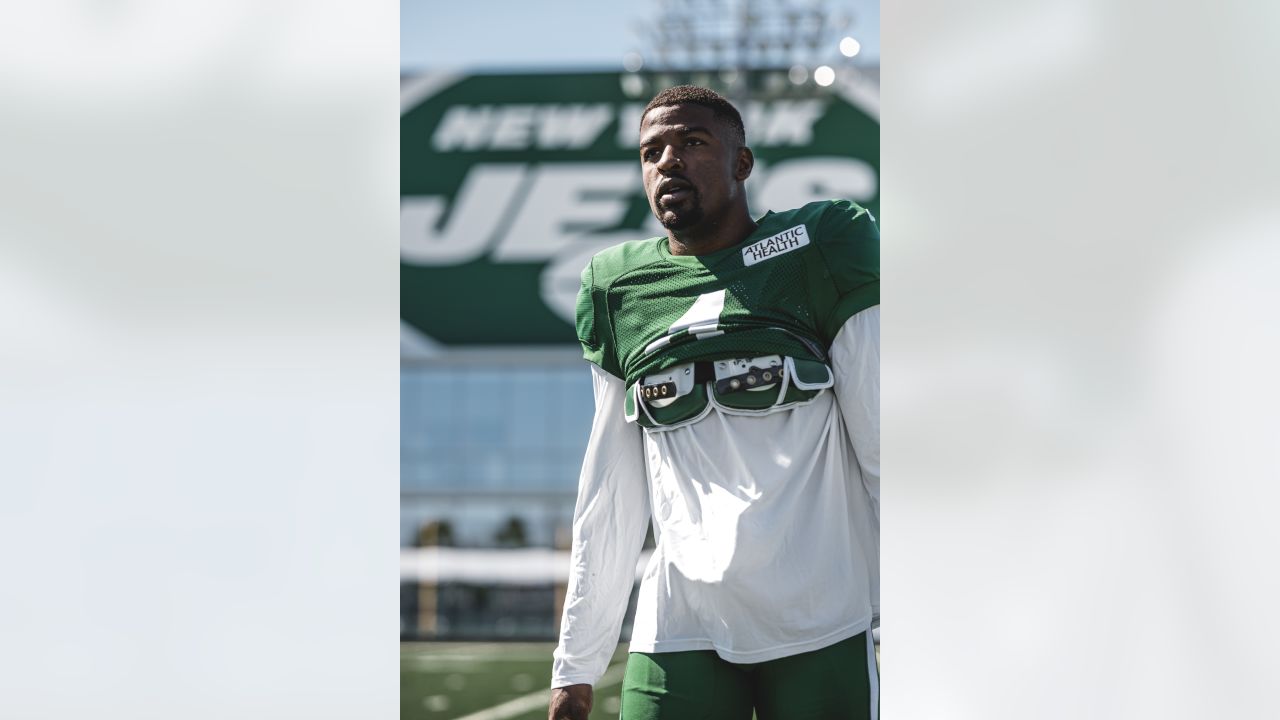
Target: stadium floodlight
pixel 824 75
pixel 755 39
pixel 633 61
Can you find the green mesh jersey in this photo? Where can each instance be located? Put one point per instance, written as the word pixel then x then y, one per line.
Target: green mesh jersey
pixel 784 290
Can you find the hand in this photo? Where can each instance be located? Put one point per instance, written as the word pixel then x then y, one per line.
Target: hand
pixel 572 702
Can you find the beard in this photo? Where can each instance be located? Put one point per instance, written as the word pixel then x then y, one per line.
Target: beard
pixel 684 215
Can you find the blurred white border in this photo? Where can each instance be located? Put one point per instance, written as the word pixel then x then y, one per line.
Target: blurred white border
pixel 199 300
pixel 1079 351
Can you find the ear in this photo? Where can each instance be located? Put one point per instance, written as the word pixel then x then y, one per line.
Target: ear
pixel 746 161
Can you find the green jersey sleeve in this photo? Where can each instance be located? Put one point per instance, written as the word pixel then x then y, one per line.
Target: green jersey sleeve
pixel 850 243
pixel 593 324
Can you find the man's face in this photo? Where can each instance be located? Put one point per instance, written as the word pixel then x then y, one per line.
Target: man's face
pixel 691 165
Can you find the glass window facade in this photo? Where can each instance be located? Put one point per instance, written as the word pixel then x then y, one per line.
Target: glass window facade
pixel 482 443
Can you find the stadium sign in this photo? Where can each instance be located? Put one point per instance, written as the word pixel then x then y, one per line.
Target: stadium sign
pixel 509 183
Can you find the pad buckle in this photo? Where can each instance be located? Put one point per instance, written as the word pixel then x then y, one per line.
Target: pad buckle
pixel 748 374
pixel 658 391
pixel 662 388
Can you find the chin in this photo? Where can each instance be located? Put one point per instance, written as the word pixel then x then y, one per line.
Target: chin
pixel 673 220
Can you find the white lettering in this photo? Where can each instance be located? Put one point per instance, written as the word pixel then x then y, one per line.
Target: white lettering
pixel 571 126
pixel 476 215
pixel 521 127
pixel 512 131
pixel 564 200
pixel 792 183
pixel 754 117
pixel 792 122
pixel 463 128
pixel 577 126
pixel 782 122
pixel 785 241
pixel 769 124
pixel 629 126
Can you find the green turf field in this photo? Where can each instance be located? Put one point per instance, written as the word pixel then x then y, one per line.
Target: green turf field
pixel 489 681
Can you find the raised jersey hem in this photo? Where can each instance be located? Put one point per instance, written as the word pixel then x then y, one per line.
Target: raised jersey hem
pixel 753 656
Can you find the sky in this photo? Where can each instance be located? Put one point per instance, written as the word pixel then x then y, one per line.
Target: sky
pixel 515 34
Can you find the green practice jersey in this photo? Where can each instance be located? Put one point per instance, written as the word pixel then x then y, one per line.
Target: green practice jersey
pixel 785 290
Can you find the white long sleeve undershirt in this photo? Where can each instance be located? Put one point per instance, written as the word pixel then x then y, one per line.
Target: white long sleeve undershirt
pixel 767 527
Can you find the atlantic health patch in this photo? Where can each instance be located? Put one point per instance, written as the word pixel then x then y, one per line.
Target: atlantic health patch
pixel 785 241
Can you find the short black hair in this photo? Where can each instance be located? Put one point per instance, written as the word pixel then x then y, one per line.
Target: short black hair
pixel 694 95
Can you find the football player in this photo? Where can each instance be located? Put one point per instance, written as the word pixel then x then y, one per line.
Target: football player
pixel 736 371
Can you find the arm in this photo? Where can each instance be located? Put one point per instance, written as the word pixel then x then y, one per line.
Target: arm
pixel 570 703
pixel 855 358
pixel 609 525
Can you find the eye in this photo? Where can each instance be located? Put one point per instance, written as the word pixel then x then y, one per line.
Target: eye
pixel 649 154
pixel 694 141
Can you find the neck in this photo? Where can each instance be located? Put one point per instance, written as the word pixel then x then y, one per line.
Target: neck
pixel 711 236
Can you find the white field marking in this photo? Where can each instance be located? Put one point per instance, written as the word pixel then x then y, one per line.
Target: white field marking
pixel 473 659
pixel 430 654
pixel 447 665
pixel 540 698
pixel 496 648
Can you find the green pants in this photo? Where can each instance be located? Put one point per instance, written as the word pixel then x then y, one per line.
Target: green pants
pixel 838 682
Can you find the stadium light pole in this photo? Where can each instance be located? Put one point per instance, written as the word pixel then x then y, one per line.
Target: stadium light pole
pixel 745 49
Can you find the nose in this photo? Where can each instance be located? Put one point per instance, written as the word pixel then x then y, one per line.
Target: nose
pixel 669 160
